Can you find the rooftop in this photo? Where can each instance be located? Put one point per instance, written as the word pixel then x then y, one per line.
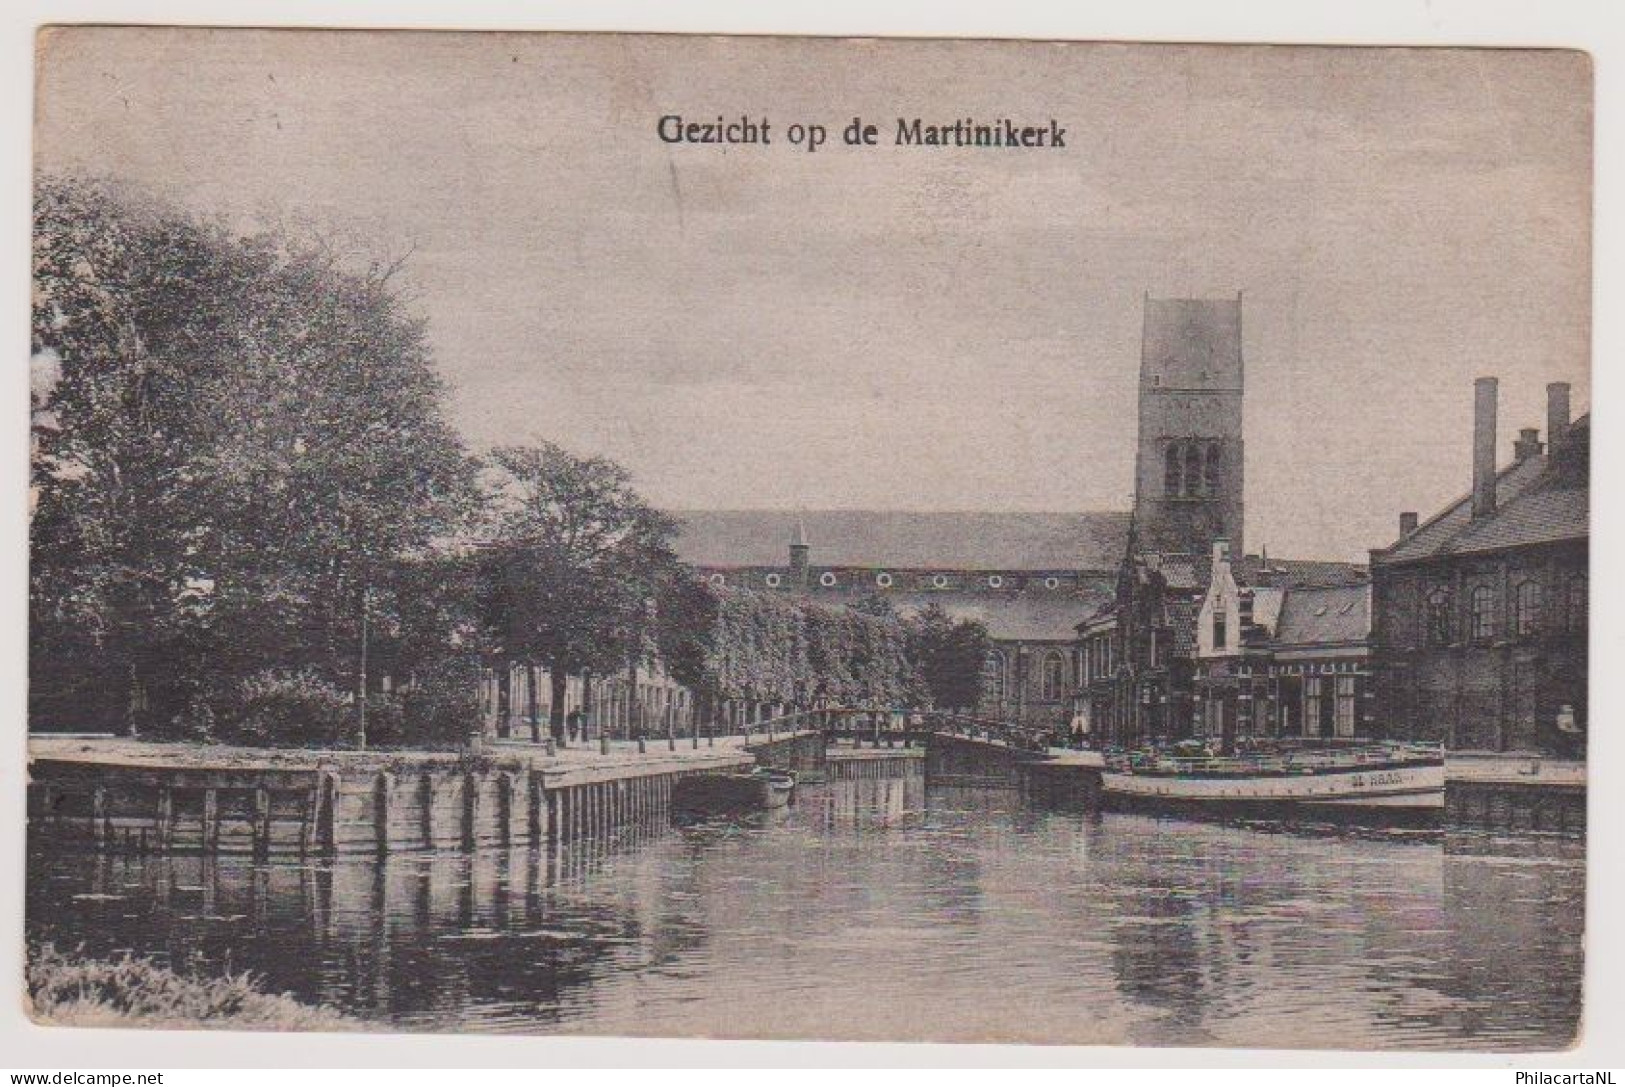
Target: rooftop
pixel 894 539
pixel 1533 505
pixel 1324 615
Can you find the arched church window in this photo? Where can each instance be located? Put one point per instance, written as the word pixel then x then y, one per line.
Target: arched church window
pixel 1193 469
pixel 1173 474
pixel 1211 468
pixel 1053 679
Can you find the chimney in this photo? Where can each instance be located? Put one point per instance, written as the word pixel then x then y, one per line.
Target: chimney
pixel 1407 523
pixel 1557 415
pixel 800 553
pixel 1528 444
pixel 1484 390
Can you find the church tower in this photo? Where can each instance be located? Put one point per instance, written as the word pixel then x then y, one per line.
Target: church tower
pixel 1188 469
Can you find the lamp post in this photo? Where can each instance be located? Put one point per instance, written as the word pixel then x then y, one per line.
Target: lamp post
pixel 1021 683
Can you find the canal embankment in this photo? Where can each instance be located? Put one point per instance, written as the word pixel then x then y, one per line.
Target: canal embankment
pixel 165 797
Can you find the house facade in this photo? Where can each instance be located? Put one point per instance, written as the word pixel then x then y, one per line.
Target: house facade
pixel 1480 613
pixel 1280 658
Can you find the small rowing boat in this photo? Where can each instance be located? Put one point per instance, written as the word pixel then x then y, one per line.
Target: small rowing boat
pixel 781 785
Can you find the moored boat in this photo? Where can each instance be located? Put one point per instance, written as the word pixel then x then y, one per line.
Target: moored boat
pixel 1377 780
pixel 731 792
pixel 781 785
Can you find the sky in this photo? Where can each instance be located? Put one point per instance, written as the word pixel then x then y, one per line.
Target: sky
pixel 907 328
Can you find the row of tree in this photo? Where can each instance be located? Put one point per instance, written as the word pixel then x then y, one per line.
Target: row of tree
pixel 249 510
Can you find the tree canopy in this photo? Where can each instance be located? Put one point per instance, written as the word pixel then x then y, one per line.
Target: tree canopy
pixel 237 439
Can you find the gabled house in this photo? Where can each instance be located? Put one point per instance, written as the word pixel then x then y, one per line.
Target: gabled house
pixel 1281 657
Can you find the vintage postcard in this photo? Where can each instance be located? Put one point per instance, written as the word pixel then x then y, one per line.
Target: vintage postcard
pixel 893 540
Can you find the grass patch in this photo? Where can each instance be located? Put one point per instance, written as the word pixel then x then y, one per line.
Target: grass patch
pixel 67 989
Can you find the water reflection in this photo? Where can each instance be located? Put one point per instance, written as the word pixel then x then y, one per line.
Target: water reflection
pixel 879 909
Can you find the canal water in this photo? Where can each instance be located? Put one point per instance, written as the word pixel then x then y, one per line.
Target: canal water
pixel 883 910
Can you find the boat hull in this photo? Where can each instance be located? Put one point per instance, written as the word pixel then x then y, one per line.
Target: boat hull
pixel 1412 793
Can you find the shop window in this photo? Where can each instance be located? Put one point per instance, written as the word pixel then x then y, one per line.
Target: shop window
pixel 1347 706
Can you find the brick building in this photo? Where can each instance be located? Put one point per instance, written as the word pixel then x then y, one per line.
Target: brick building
pixel 1139 661
pixel 1031 578
pixel 1148 676
pixel 1283 652
pixel 1480 612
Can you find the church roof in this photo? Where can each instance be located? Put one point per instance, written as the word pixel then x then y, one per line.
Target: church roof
pixel 892 539
pixel 1012 617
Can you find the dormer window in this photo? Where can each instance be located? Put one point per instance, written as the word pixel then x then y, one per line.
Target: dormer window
pixel 1221 633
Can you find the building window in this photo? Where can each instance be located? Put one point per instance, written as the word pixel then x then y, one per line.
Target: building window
pixel 939 581
pixel 996 685
pixel 1052 683
pixel 1220 633
pixel 1578 603
pixel 1173 474
pixel 1193 469
pixel 995 582
pixel 1483 613
pixel 883 580
pixel 774 581
pixel 1210 474
pixel 1438 617
pixel 1052 583
pixel 827 580
pixel 1312 696
pixel 1347 706
pixel 1526 609
pixel 718 579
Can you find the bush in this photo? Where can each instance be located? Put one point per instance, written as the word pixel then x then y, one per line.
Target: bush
pixel 442 705
pixel 70 990
pixel 287 709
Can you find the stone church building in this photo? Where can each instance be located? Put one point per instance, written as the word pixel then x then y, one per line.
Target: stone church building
pixel 1031 578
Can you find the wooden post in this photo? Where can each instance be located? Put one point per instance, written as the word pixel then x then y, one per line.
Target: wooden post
pixel 98 815
pixel 166 817
pixel 383 802
pixel 533 702
pixel 262 821
pixel 471 810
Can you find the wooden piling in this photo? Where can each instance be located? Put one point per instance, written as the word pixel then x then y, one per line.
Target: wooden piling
pixel 262 821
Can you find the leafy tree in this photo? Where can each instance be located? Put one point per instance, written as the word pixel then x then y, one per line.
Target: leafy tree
pixel 576 563
pixel 242 438
pixel 950 656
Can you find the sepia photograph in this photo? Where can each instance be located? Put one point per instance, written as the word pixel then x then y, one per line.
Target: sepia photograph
pixel 809 539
